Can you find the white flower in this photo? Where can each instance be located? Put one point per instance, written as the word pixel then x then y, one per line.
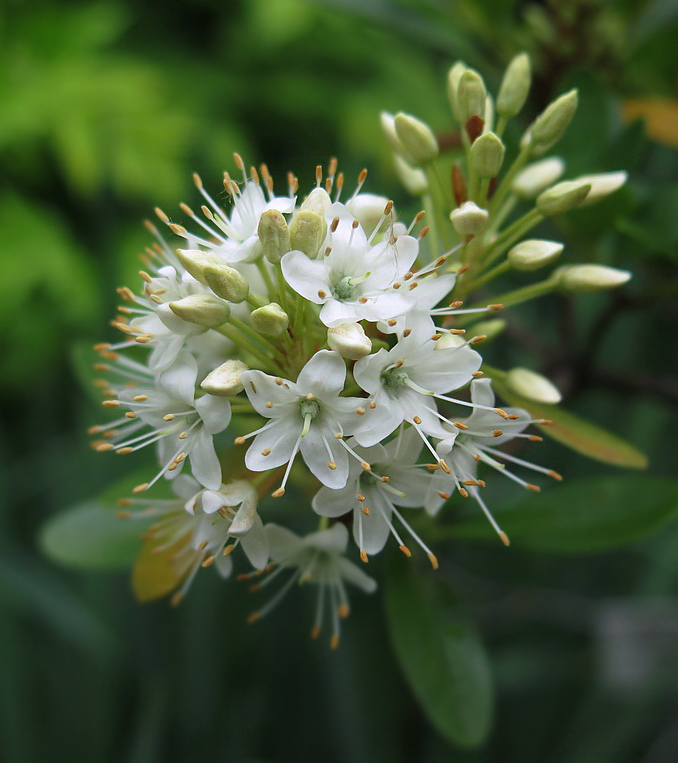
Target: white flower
pixel 394 480
pixel 352 279
pixel 199 526
pixel 307 415
pixel 181 425
pixel 317 559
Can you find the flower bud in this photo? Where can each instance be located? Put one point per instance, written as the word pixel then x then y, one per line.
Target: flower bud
pixel 419 144
pixel 349 340
pixel 534 253
pixel 368 209
pixel 582 279
pixel 487 155
pixel 602 185
pixel 533 386
pixel 195 261
pixel 225 380
pixel 226 282
pixel 471 95
pixel 549 127
pixel 202 309
pixel 515 86
pixel 469 219
pixel 274 235
pixel 388 126
pixel 317 201
pixel 489 329
pixel 537 177
pixel 307 232
pixel 453 77
pixel 562 197
pixel 270 319
pixel 413 179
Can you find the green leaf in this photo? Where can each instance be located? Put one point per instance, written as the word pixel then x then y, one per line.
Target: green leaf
pixel 580 435
pixel 440 654
pixel 89 536
pixel 583 516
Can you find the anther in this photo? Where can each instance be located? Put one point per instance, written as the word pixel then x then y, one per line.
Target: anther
pixel 110 403
pixel 396 285
pixel 334 642
pixel 366 466
pixel 504 538
pixel 435 337
pixel 266 452
pixel 463 492
pixel 269 404
pixel 373 405
pixel 366 511
pixel 124 451
pixel 460 425
pixel 168 417
pixel 363 300
pixel 334 224
pixel 130 415
pixel 360 411
pixel 104 447
pixel 322 294
pixel 186 209
pixel 445 467
pixel 140 488
pixel 497 433
pixel 161 215
pixel 239 441
pixel 315 632
pixel 434 560
pixel 140 398
pixel 478 339
pixel 416 420
pixel 555 475
pixel 413 285
pixel 498 306
pixel 406 551
pixel 501 412
pixel 331 465
pixel 444 496
pixel 534 488
pixel 407 332
pixel 343 611
pixel 364 557
pixel 424 231
pixel 392 322
pixel 279 381
pixel 478 374
pixel 253 618
pixel 279 493
pixel 536 438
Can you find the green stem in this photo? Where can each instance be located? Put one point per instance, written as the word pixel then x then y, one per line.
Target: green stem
pixel 263 269
pixel 236 336
pixel 255 336
pixel 489 276
pixel 502 214
pixel 439 204
pixel 433 236
pixel 500 126
pixel 505 185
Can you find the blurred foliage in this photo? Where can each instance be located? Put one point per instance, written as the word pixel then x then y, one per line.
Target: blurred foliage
pixel 107 108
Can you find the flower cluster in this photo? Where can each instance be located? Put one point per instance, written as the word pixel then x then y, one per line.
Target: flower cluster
pixel 327 331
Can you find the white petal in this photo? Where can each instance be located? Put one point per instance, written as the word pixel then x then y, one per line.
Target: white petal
pixel 282 543
pixel 179 379
pixel 224 565
pixel 335 503
pixel 317 459
pixel 186 487
pixel 255 544
pixel 212 501
pixel 262 388
pixel 165 352
pixel 375 529
pixel 268 440
pixel 481 392
pixel 333 540
pixel 353 574
pixel 445 370
pixel 367 371
pixel 324 375
pixel 204 462
pixel 215 412
pixel 379 422
pixel 334 313
pixel 306 276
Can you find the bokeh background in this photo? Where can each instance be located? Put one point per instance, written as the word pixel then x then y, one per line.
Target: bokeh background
pixel 106 108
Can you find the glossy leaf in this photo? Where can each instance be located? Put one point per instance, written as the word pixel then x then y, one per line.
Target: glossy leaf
pixel 440 653
pixel 583 516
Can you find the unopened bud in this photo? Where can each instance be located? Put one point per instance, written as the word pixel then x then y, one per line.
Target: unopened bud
pixel 274 235
pixel 489 329
pixel 549 127
pixel 453 77
pixel 368 209
pixel 307 232
pixel 582 279
pixel 317 201
pixel 388 126
pixel 562 197
pixel 534 253
pixel 349 340
pixel 602 185
pixel 202 309
pixel 515 86
pixel 226 282
pixel 195 261
pixel 419 143
pixel 270 319
pixel 225 380
pixel 469 219
pixel 537 177
pixel 487 155
pixel 471 95
pixel 533 386
pixel 413 179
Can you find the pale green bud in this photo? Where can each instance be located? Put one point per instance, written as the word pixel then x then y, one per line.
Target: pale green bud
pixel 202 309
pixel 489 329
pixel 562 197
pixel 487 155
pixel 413 179
pixel 388 126
pixel 549 127
pixel 368 209
pixel 537 177
pixel 226 282
pixel 307 232
pixel 317 201
pixel 533 386
pixel 349 340
pixel 195 261
pixel 471 96
pixel 489 114
pixel 274 235
pixel 225 380
pixel 602 185
pixel 534 253
pixel 582 279
pixel 469 219
pixel 420 146
pixel 453 77
pixel 270 319
pixel 515 86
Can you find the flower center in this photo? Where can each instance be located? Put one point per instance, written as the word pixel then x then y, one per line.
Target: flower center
pixel 394 378
pixel 345 288
pixel 309 409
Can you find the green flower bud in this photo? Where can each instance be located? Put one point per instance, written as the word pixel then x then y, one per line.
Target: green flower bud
pixel 307 232
pixel 469 219
pixel 388 126
pixel 453 77
pixel 537 177
pixel 270 319
pixel 225 380
pixel 562 197
pixel 226 282
pixel 202 309
pixel 549 127
pixel 487 155
pixel 515 86
pixel 602 185
pixel 413 179
pixel 274 235
pixel 317 201
pixel 489 329
pixel 419 144
pixel 582 279
pixel 195 261
pixel 533 386
pixel 534 253
pixel 349 340
pixel 471 95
